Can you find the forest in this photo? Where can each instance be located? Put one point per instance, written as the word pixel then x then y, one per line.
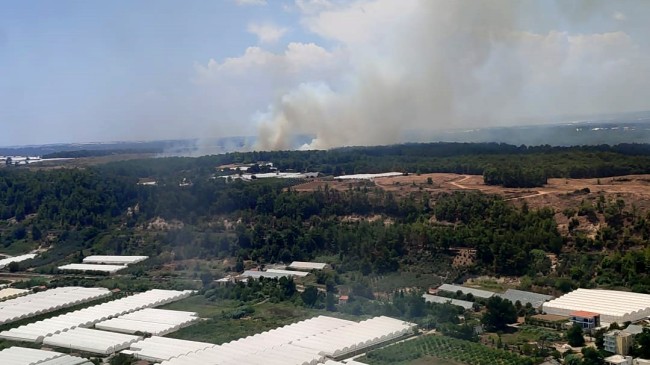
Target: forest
pixel 104 209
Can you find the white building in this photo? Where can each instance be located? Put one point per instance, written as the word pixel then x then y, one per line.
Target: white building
pixel 612 305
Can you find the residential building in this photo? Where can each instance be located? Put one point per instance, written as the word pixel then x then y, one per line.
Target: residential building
pixel 586 320
pixel 618 342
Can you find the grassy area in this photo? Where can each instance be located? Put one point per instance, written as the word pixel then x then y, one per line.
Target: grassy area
pixel 218 328
pixel 458 351
pixel 429 360
pixel 526 334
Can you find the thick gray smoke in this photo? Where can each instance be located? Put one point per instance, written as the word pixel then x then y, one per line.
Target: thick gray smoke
pixel 442 64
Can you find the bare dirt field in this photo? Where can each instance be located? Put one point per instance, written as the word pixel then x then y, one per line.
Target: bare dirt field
pixel 558 193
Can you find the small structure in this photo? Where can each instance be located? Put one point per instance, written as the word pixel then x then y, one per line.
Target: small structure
pixel 619 360
pixel 586 320
pixel 307 266
pixel 343 299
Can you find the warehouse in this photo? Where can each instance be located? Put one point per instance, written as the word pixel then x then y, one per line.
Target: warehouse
pixel 21 356
pixel 114 260
pixel 612 305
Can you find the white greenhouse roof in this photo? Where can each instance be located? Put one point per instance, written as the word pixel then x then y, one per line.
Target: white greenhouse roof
pixel 89 340
pixel 47 301
pixel 87 317
pixel 305 342
pixel 436 299
pixel 478 293
pixel 6 261
pixel 158 322
pixel 10 293
pixel 368 176
pixel 524 297
pixel 93 267
pixel 262 274
pixel 302 265
pixel 114 260
pixel 26 356
pixel 612 305
pixel 288 272
pixel 156 349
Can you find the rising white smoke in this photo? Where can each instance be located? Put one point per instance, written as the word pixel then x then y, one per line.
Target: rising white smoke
pixel 441 64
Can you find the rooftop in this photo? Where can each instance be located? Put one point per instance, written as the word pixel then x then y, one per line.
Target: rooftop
pixel 584 314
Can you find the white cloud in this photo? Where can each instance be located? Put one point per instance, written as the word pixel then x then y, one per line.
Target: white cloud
pixel 396 65
pixel 441 64
pixel 267 33
pixel 297 58
pixel 251 2
pixel 619 16
pixel 313 6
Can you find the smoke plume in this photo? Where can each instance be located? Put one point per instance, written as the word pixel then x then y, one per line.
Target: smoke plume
pixel 443 64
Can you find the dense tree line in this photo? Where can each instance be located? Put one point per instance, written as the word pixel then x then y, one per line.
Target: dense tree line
pixel 104 210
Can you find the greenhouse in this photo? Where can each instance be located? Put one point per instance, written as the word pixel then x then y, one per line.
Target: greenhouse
pixel 158 322
pixel 87 317
pixel 22 356
pixel 156 349
pixel 114 260
pixel 6 261
pixel 306 342
pixel 48 301
pixel 89 340
pixel 110 269
pixel 10 293
pixel 478 293
pixel 441 300
pixel 612 305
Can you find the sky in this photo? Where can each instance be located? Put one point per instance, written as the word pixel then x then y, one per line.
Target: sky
pixel 348 72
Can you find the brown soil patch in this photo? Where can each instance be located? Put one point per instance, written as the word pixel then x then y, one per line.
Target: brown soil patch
pixel 558 193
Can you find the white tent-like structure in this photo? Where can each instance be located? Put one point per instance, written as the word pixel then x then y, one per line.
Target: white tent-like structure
pixel 87 317
pixel 442 300
pixel 612 305
pixel 308 342
pixel 48 301
pixel 307 266
pixel 6 261
pixel 158 322
pixel 10 293
pixel 23 356
pixel 156 349
pixel 110 269
pixel 114 260
pixel 89 340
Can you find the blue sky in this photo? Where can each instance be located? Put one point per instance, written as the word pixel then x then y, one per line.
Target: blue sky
pixel 82 71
